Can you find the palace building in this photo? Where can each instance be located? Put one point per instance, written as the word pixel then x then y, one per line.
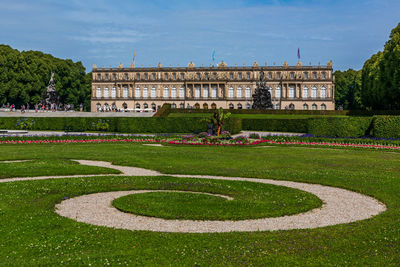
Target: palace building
pixel 291 87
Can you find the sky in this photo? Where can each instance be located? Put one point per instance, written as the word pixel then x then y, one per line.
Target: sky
pixel 175 32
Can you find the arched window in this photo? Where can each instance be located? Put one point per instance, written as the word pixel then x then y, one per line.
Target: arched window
pixel 278 92
pixel 248 92
pixel 173 92
pixel 182 105
pixel 230 92
pixel 173 105
pixel 197 106
pixel 214 106
pixel 98 106
pixel 305 93
pixel 153 92
pixel 182 92
pixel 126 92
pixel 137 92
pixel 124 105
pixel 145 92
pixel 323 107
pixel 106 107
pixel 153 106
pixel 248 106
pixel 239 92
pixel 166 92
pixel 314 107
pixel 214 91
pixel 323 92
pixel 270 91
pixel 106 92
pixel 205 106
pixel 291 106
pixel 114 92
pixel 145 105
pixel 314 92
pixel 137 105
pixel 305 107
pixel 98 92
pixel 205 91
pixel 197 91
pixel 239 106
pixel 231 106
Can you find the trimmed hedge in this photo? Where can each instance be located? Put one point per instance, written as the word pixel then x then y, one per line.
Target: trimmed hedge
pixel 276 125
pixel 117 124
pixel 340 127
pixel 386 126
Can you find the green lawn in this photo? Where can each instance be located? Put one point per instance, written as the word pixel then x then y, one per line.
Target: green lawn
pixel 32 234
pixel 253 116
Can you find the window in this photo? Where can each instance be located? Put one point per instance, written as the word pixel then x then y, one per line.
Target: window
pixel 137 92
pixel 248 106
pixel 291 91
pixel 205 91
pixel 137 105
pixel 231 76
pixel 137 76
pixel 248 76
pixel 125 76
pixel 197 91
pixel 278 75
pixel 153 106
pixel 205 106
pixel 323 107
pixel 314 107
pixel 248 92
pixel 206 76
pixel 323 92
pixel 314 92
pixel 99 76
pixel 305 93
pixel 173 105
pixel 166 76
pixel 124 105
pixel 106 92
pixel 214 91
pixel 291 106
pixel 214 106
pixel 153 92
pixel 145 92
pixel 231 106
pixel 197 106
pixel 173 92
pixel 174 76
pixel 305 107
pixel 215 76
pixel 181 105
pixel 182 92
pixel 198 76
pixel 240 75
pixel 230 92
pixel 269 75
pixel 114 76
pixel 154 76
pixel 98 92
pixel 114 92
pixel 324 75
pixel 98 106
pixel 107 77
pixel 239 92
pixel 145 105
pixel 314 75
pixel 278 92
pixel 146 76
pixel 126 92
pixel 239 106
pixel 166 92
pixel 182 76
pixel 292 75
pixel 305 75
pixel 270 91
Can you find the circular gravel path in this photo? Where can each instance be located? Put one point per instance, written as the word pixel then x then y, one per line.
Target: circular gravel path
pixel 340 206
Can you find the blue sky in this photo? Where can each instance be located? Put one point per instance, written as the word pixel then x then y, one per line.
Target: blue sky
pixel 176 32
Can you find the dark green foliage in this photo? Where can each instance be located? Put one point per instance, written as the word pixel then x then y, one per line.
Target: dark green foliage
pixel 164 111
pixel 275 125
pixel 386 126
pixel 25 75
pixel 268 111
pixel 340 127
pixel 347 89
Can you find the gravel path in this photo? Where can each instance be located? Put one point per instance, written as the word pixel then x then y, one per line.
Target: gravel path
pixel 340 206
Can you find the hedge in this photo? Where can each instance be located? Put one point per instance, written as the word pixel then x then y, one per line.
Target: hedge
pixel 340 127
pixel 386 126
pixel 117 124
pixel 276 125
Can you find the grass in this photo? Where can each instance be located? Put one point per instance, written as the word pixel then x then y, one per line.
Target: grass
pixel 254 116
pixel 32 234
pixel 49 167
pixel 251 201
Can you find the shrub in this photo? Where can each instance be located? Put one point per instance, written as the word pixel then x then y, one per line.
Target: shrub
pixel 275 125
pixel 254 136
pixel 386 126
pixel 340 127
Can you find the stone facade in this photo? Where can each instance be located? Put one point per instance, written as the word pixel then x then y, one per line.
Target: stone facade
pixel 291 87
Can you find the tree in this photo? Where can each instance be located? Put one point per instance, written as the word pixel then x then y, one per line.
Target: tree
pixel 348 89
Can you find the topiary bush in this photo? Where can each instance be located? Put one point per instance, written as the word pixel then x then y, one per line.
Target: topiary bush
pixel 340 127
pixel 386 126
pixel 275 125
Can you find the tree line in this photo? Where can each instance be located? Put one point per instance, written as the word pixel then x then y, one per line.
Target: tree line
pixel 377 85
pixel 24 77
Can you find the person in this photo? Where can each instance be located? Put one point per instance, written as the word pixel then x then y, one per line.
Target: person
pixel 23 109
pixel 81 107
pixel 36 107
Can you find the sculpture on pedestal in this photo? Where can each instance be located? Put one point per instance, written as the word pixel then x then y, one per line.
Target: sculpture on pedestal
pixel 262 96
pixel 50 96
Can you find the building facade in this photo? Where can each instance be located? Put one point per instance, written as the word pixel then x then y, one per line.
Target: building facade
pixel 291 87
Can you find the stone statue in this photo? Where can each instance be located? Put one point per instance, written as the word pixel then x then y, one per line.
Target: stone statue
pixel 262 96
pixel 50 96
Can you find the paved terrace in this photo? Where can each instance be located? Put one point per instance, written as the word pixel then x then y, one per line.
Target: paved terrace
pixel 32 113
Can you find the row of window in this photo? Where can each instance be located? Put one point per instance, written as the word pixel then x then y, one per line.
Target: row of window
pixel 207 76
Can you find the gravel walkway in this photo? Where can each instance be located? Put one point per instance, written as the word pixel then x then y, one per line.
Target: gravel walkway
pixel 340 206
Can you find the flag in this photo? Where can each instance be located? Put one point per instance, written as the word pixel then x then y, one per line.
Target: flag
pixel 298 53
pixel 133 59
pixel 213 55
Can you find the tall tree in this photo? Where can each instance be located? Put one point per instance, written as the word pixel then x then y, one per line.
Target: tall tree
pixel 348 89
